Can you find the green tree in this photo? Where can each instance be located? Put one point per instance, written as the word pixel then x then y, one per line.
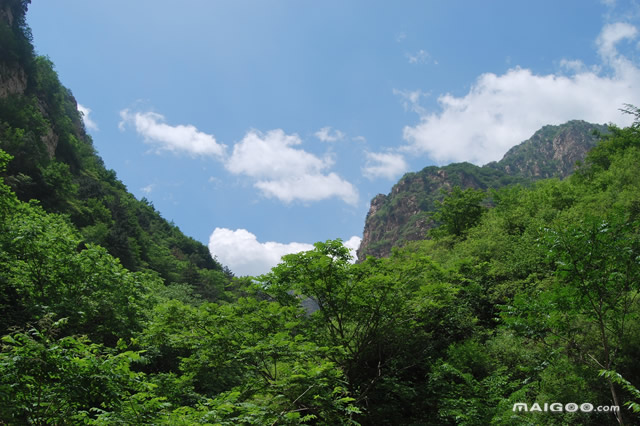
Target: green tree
pixel 63 380
pixel 459 210
pixel 384 320
pixel 598 267
pixel 614 377
pixel 250 360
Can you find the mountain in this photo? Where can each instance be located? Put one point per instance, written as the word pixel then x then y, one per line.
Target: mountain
pixel 405 213
pixel 55 163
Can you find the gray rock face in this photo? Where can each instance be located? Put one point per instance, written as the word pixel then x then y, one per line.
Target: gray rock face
pixel 13 80
pixel 404 214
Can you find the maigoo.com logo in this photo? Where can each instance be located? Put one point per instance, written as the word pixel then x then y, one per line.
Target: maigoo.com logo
pixel 557 407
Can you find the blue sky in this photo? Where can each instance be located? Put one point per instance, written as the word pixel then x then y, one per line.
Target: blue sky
pixel 260 127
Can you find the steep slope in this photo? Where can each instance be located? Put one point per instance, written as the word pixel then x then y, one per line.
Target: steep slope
pixel 405 213
pixel 551 152
pixel 54 162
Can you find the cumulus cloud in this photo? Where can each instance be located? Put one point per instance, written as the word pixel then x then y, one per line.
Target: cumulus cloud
pixel 500 111
pixel 273 155
pixel 88 122
pixel 309 188
pixel 241 251
pixel 353 244
pixel 273 160
pixel 285 172
pixel 177 139
pixel 327 134
pixel 386 165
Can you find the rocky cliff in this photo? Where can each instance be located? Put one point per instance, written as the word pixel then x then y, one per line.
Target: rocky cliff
pixel 551 152
pixel 405 213
pixel 15 48
pixel 28 79
pixel 13 80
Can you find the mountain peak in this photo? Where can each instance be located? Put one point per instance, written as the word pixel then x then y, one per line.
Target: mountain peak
pixel 405 213
pixel 552 151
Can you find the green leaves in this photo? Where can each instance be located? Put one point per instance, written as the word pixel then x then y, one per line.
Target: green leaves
pixel 633 405
pixel 459 210
pixel 45 273
pixel 50 380
pixel 251 360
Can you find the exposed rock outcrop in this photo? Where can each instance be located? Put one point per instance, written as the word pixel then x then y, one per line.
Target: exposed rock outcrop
pixel 405 213
pixel 13 80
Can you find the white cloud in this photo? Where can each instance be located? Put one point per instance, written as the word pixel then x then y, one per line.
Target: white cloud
pixel 177 139
pixel 420 57
pixel 241 251
pixel 573 65
pixel 353 244
pixel 500 111
pixel 285 172
pixel 273 155
pixel 278 168
pixel 310 187
pixel 411 100
pixel 88 122
pixel 327 134
pixel 384 165
pixel 611 35
pixel 148 189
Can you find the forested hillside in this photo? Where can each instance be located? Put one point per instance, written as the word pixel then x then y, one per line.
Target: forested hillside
pixel 406 213
pixel 55 163
pixel 523 294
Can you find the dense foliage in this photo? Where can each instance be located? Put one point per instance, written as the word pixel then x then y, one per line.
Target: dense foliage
pixel 405 214
pixel 110 316
pixel 534 301
pixel 54 162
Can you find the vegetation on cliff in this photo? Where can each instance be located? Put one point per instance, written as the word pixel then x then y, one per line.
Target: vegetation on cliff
pixel 406 214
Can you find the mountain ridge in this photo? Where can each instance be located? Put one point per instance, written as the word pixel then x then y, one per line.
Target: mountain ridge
pixel 405 213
